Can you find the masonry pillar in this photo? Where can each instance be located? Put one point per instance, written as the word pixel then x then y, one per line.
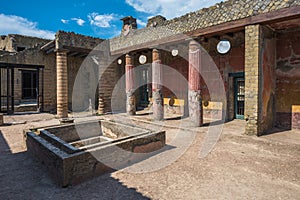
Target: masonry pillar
pixel 130 76
pixel 62 84
pixel 260 63
pixel 1 119
pixel 195 98
pixel 157 94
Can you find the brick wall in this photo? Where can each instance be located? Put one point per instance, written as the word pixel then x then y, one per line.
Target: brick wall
pixel 114 96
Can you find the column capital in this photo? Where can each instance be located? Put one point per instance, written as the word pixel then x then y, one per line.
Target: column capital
pixel 155 55
pixel 194 45
pixel 128 59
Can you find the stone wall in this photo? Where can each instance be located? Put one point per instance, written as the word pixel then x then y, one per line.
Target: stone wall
pixel 227 11
pixel 69 165
pixel 71 39
pixel 287 78
pixel 14 42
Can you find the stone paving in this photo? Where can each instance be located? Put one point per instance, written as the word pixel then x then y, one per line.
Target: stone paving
pixel 238 167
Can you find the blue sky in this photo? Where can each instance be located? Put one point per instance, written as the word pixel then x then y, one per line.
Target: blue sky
pixel 97 18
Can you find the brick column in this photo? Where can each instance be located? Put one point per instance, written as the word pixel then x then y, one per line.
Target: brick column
pixel 62 84
pixel 157 73
pixel 252 57
pixel 101 105
pixel 260 63
pixel 130 76
pixel 195 99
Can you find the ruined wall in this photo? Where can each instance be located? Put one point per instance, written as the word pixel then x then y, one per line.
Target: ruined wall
pixel 71 39
pixel 288 79
pixel 6 44
pixel 16 43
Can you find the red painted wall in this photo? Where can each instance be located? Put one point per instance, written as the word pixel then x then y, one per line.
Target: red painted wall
pixel 231 62
pixel 288 76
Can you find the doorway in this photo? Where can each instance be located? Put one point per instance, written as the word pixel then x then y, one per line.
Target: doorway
pixel 29 84
pixel 239 97
pixel 145 87
pixel 29 89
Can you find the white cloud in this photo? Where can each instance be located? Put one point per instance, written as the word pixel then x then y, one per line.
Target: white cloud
pixel 170 8
pixel 11 24
pixel 79 21
pixel 141 23
pixel 102 21
pixel 64 21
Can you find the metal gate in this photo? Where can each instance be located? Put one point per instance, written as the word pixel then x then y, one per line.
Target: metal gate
pixel 7 90
pixel 239 98
pixel 8 81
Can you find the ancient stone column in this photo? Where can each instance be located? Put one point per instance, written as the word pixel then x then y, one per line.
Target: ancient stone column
pixel 62 84
pixel 101 105
pixel 157 95
pixel 195 99
pixel 130 76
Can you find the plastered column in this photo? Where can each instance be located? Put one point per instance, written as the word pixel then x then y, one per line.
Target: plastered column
pixel 62 84
pixel 157 94
pixel 194 95
pixel 130 76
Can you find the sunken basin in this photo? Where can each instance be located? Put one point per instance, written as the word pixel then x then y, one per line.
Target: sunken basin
pixel 76 152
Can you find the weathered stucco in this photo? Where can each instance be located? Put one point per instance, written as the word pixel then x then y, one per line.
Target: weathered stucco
pixel 287 77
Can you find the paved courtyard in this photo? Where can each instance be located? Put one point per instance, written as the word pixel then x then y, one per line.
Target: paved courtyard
pixel 238 167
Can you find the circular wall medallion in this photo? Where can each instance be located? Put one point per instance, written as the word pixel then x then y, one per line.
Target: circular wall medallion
pixel 174 52
pixel 223 46
pixel 142 59
pixel 120 61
